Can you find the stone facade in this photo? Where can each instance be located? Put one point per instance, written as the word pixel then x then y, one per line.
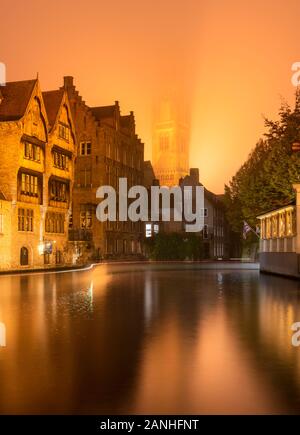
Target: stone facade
pixel 108 149
pixel 36 136
pixel 5 232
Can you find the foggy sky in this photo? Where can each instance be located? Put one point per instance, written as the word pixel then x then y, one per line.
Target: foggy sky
pixel 232 58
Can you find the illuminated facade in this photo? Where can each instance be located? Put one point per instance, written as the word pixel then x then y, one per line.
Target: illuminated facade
pixel 170 147
pixel 37 145
pixel 278 230
pixel 280 239
pixel 108 149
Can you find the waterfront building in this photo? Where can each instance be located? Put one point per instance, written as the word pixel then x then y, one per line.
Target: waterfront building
pixel 214 234
pixel 108 149
pixel 280 238
pixel 5 232
pixel 37 148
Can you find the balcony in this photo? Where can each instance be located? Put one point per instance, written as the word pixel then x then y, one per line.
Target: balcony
pixel 80 235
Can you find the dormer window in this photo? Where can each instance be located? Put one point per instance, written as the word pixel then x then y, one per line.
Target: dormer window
pixel 32 152
pixel 64 131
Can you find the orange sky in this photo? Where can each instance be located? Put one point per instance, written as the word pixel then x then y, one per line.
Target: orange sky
pixel 233 57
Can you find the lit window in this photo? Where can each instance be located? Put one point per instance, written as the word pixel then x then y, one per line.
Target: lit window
pixel 60 160
pixel 25 219
pixel 64 132
pixel 148 230
pixel 32 152
pixel 54 223
pixel 29 185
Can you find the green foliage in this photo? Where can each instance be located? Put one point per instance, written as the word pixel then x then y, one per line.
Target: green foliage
pixel 174 246
pixel 264 181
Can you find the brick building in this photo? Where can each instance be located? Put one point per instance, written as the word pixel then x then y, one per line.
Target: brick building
pixel 37 148
pixel 108 149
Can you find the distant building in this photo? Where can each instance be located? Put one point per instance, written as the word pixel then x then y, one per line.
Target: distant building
pixel 37 147
pixel 214 236
pixel 214 233
pixel 170 147
pixel 108 149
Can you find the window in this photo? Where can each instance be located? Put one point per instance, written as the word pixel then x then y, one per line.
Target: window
pixel 84 178
pixel 148 230
pixel 46 258
pixel 205 232
pixel 25 219
pixel 32 152
pixel 58 257
pixel 24 256
pixel 29 185
pixel 60 160
pixel 86 219
pixel 54 222
pixel 63 131
pixel 58 191
pixel 85 148
pixel 71 220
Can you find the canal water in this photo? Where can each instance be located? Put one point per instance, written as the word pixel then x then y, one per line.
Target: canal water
pixel 149 339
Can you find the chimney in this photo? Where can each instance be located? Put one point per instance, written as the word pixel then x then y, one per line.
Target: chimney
pixel 68 82
pixel 194 174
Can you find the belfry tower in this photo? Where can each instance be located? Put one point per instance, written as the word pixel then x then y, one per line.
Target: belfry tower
pixel 170 146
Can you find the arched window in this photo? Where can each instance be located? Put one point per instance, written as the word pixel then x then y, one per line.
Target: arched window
pixel 24 256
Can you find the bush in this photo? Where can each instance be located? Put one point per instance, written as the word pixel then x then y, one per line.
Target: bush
pixel 174 246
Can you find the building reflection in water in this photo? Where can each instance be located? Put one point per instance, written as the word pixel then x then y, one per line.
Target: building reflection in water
pixel 2 335
pixel 144 339
pixel 150 298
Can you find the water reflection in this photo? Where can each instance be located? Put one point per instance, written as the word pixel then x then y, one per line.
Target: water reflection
pixel 149 339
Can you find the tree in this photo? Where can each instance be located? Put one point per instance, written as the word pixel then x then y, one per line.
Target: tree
pixel 264 181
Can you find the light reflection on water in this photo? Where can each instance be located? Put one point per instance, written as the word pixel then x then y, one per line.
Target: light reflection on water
pixel 149 339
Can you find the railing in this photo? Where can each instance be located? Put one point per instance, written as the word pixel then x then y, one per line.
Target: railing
pixel 278 230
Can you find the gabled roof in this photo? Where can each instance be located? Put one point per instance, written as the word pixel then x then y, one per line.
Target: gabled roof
pixel 103 112
pixel 125 121
pixel 15 99
pixel 52 101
